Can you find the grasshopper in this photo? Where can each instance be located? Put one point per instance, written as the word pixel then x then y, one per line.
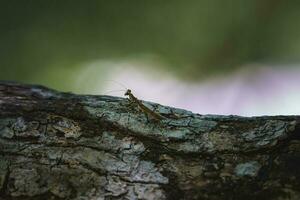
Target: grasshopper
pixel 144 108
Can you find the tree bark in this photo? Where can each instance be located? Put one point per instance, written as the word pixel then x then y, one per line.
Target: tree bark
pixel 56 145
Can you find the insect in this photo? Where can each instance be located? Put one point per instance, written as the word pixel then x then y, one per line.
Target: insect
pixel 139 103
pixel 144 108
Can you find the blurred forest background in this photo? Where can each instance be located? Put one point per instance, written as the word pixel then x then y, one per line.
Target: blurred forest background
pixel 209 56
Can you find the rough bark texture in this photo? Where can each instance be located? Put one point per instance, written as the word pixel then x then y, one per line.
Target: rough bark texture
pixel 57 145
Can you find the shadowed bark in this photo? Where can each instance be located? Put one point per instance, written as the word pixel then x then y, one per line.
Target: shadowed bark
pixel 56 145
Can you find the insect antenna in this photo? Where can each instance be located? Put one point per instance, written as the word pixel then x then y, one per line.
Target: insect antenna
pixel 118 83
pixel 112 91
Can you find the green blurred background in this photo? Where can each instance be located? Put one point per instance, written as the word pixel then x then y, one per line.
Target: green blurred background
pixel 43 41
pixel 208 56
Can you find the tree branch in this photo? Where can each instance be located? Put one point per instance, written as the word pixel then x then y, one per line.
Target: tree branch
pixel 56 145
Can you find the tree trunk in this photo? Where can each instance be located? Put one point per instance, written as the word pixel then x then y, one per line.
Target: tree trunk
pixel 56 145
